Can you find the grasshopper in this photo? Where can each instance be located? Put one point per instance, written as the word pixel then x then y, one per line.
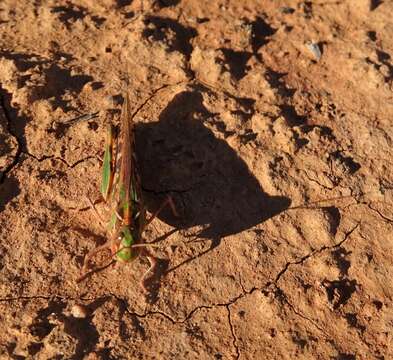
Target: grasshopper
pixel 121 190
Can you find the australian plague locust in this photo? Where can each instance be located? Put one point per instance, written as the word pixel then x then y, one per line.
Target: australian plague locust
pixel 122 193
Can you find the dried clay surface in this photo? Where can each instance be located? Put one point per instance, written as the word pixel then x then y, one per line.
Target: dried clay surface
pixel 270 125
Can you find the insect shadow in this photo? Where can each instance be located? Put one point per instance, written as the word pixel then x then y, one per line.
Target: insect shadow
pixel 211 185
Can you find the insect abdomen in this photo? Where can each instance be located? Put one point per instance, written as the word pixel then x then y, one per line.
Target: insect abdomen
pixel 125 252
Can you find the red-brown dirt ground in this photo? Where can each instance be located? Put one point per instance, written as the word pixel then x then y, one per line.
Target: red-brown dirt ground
pixel 270 125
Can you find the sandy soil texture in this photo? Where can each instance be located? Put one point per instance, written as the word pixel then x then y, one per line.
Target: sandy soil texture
pixel 270 125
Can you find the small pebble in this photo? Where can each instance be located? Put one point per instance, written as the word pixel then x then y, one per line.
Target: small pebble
pixel 315 50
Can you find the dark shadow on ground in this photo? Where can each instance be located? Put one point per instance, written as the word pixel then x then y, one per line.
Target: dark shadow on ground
pixel 210 184
pixel 58 81
pixel 9 189
pixel 13 124
pixel 175 35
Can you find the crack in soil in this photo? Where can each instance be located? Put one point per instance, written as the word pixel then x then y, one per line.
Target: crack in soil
pixel 380 214
pixel 53 157
pixel 281 292
pixel 187 317
pixel 274 289
pixel 47 297
pixel 190 315
pixel 317 251
pixel 318 183
pixel 284 297
pixel 233 333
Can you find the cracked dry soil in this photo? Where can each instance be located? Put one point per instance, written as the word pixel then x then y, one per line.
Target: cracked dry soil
pixel 279 161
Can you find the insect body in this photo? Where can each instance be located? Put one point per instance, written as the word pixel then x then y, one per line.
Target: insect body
pixel 122 192
pixel 121 188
